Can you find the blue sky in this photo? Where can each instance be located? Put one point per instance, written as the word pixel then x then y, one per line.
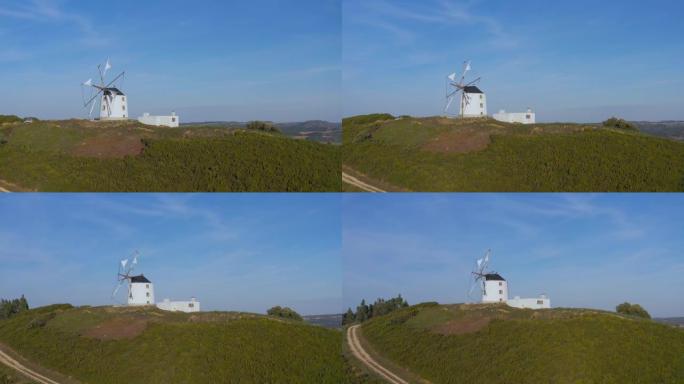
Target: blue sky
pixel 241 252
pixel 591 251
pixel 577 60
pixel 208 60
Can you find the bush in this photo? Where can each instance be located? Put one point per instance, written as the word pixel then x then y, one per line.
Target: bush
pixel 262 126
pixel 618 123
pixel 632 310
pixel 284 312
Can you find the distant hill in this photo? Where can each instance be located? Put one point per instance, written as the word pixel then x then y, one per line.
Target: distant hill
pixel 677 321
pixel 328 321
pixel 482 154
pixel 499 344
pixel 81 155
pixel 668 129
pixel 147 345
pixel 313 130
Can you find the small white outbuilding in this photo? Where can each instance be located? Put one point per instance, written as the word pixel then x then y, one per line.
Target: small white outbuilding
pixel 179 306
pixel 172 121
pixel 515 117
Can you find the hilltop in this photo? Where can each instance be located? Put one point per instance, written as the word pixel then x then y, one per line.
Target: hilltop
pixel 442 154
pixel 499 344
pixel 313 130
pixel 147 345
pixel 81 155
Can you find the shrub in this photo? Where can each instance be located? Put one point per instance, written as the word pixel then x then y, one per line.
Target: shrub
pixel 262 126
pixel 618 123
pixel 632 310
pixel 284 312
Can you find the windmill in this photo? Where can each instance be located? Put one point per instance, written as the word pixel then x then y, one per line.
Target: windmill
pixel 468 107
pixel 126 267
pixel 112 101
pixel 479 273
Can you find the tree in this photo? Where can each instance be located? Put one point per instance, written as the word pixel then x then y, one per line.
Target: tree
pixel 632 310
pixel 618 123
pixel 348 317
pixel 362 312
pixel 284 312
pixel 262 126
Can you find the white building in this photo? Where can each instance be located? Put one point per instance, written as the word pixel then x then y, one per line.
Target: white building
pixel 113 105
pixel 181 306
pixel 172 121
pixel 496 291
pixel 515 117
pixel 473 102
pixel 140 291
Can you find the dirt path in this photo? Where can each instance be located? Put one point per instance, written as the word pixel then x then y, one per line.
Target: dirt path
pixel 33 375
pixel 4 190
pixel 349 179
pixel 358 352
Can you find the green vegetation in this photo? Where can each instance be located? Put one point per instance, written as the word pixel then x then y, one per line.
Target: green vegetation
pixel 618 123
pixel 440 154
pixel 500 344
pixel 79 155
pixel 10 376
pixel 9 308
pixel 10 119
pixel 147 345
pixel 286 313
pixel 632 310
pixel 380 307
pixel 262 126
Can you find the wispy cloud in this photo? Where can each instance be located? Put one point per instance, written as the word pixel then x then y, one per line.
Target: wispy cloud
pixel 442 12
pixel 48 11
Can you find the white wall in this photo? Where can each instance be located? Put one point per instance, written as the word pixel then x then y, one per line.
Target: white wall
pixel 496 291
pixel 160 121
pixel 182 306
pixel 118 105
pixel 477 107
pixel 141 294
pixel 515 117
pixel 533 303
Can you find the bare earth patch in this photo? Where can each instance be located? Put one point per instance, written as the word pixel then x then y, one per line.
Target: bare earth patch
pixel 116 329
pixel 110 146
pixel 462 326
pixel 458 142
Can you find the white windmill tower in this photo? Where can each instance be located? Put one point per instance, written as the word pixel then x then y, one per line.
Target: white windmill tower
pixel 140 289
pixel 113 104
pixel 493 287
pixel 473 102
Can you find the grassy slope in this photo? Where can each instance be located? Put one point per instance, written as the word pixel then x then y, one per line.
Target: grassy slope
pixel 542 157
pixel 41 156
pixel 525 346
pixel 179 348
pixel 10 376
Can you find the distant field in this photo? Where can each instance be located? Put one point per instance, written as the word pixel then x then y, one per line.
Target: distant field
pixel 78 155
pixel 328 321
pixel 439 154
pixel 137 345
pixel 499 344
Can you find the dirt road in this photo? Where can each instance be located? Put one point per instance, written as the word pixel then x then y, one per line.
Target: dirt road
pixel 349 179
pixel 358 352
pixel 3 190
pixel 14 364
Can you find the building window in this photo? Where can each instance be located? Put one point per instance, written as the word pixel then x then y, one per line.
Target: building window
pixel 123 98
pixel 500 299
pixel 123 107
pixel 148 301
pixel 480 96
pixel 173 119
pixel 148 294
pixel 147 285
pixel 500 283
pixel 481 105
pixel 191 305
pixel 130 295
pixel 527 116
pixel 540 302
pixel 500 292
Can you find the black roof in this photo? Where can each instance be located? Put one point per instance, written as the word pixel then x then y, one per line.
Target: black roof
pixel 494 276
pixel 113 91
pixel 472 89
pixel 139 279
